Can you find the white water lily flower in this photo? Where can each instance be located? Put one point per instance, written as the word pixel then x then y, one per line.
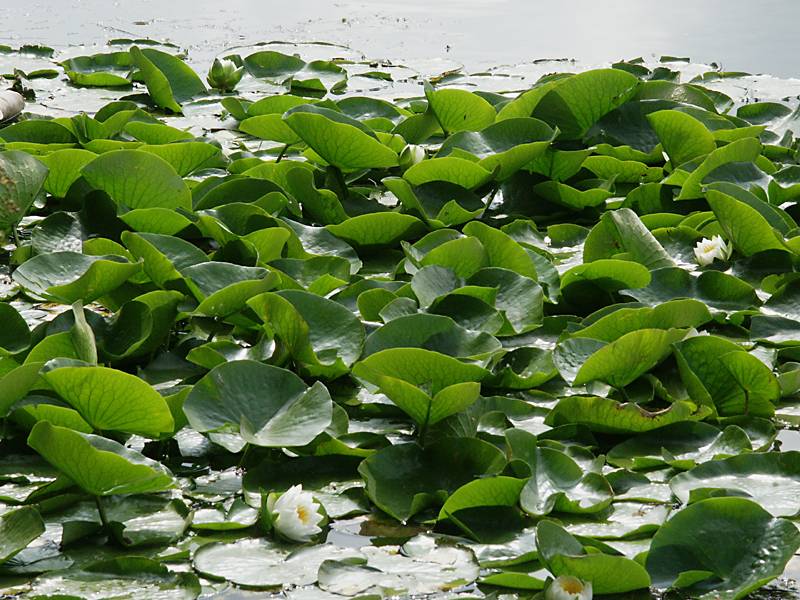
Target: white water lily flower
pixel 569 588
pixel 707 250
pixel 411 155
pixel 295 514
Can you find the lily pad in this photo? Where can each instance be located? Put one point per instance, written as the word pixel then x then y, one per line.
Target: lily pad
pixel 751 548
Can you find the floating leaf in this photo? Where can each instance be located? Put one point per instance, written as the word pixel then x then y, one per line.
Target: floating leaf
pixel 751 549
pixel 99 466
pixel 18 528
pixel 608 574
pixel 404 479
pixel 231 398
pixel 69 276
pixel 339 140
pixel 21 180
pixel 111 400
pixel 770 478
pixel 147 180
pixel 609 416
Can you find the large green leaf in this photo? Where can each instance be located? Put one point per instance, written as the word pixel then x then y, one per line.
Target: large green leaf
pixel 68 276
pixel 412 571
pixel 169 80
pixel 15 335
pixel 405 479
pixel 459 110
pixel 625 359
pixel 744 150
pixel 97 465
pixel 430 370
pixel 575 103
pixel 323 337
pixel 432 332
pixel 187 156
pixel 557 482
pixel 18 528
pixel 715 375
pixel 682 444
pixel 125 577
pixel 339 140
pixel 65 169
pixel 21 180
pixel 674 314
pixel 622 231
pixel 564 555
pixel 137 179
pixel 502 250
pixel 266 564
pixel 111 400
pixel 315 76
pixel 231 399
pixel 377 229
pixel 750 548
pixel 510 144
pixel 682 136
pixel 748 231
pixel 609 416
pixel 772 479
pixel 452 169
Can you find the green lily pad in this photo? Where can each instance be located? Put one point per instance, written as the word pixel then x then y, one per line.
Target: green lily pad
pixel 751 549
pixel 628 357
pixel 682 445
pixel 169 80
pixel 230 399
pixel 608 574
pixel 323 337
pixel 21 180
pixel 770 478
pixel 69 276
pixel 459 110
pixel 99 466
pixel 609 416
pixel 110 400
pixel 557 482
pixel 263 564
pixel 148 181
pixel 339 140
pixel 18 528
pixel 405 479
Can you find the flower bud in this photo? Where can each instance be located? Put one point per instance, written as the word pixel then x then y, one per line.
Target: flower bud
pixel 411 155
pixel 224 75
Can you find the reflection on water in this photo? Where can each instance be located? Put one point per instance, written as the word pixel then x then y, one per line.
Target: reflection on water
pixel 789 439
pixel 741 34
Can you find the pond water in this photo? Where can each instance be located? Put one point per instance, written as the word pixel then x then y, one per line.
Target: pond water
pixel 739 34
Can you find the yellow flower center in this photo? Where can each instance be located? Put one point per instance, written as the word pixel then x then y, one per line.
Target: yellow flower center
pixel 572 586
pixel 303 514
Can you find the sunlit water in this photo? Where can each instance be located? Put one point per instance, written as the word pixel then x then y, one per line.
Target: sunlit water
pixel 755 36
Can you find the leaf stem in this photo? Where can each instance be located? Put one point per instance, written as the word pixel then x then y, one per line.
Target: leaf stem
pixel 423 430
pixel 282 153
pixel 489 200
pixel 341 183
pixel 240 465
pixel 101 510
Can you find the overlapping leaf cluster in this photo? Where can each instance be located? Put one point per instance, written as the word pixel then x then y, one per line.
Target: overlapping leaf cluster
pixel 472 323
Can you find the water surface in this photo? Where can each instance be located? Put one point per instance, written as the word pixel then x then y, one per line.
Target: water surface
pixel 755 36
